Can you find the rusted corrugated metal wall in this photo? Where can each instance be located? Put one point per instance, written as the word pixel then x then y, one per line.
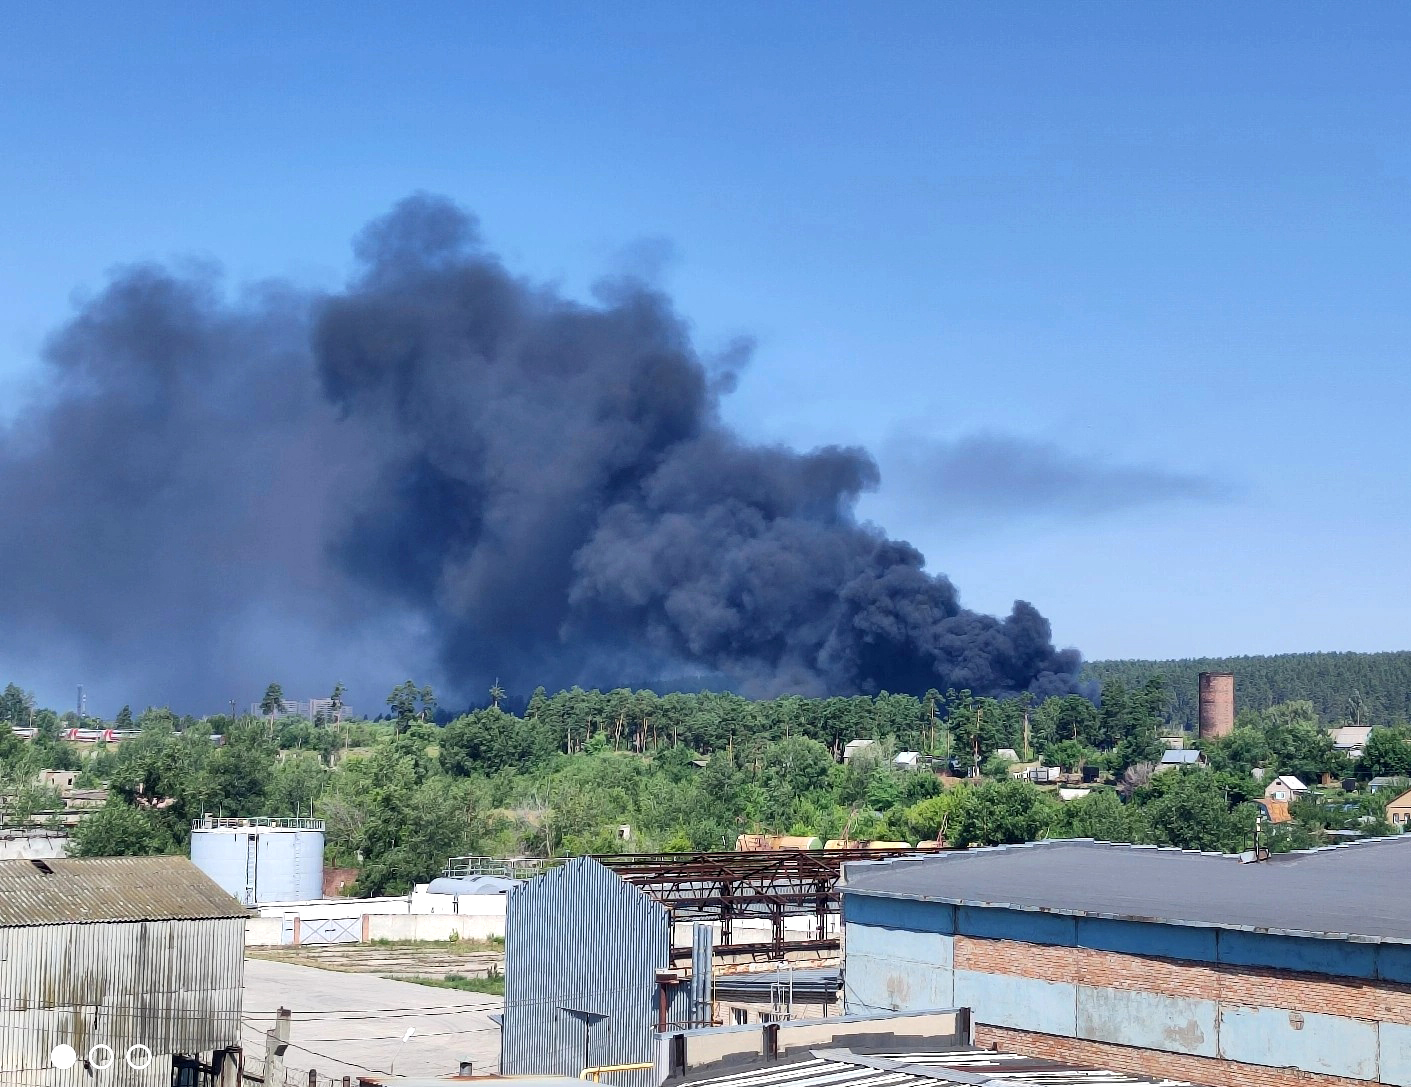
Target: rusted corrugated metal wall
pixel 172 986
pixel 582 950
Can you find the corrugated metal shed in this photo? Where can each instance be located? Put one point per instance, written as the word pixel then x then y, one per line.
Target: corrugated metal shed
pixel 582 952
pixel 70 891
pixel 116 952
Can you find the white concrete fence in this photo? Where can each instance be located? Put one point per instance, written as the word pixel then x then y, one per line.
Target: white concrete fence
pixel 416 916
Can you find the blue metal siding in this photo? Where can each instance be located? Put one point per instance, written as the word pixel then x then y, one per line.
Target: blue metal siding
pixel 1195 943
pixel 582 949
pixel 1136 938
pixel 1030 927
pixel 1337 957
pixel 1394 963
pixel 898 913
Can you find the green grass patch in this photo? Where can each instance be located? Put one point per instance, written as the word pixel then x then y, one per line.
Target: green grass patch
pixel 493 943
pixel 494 985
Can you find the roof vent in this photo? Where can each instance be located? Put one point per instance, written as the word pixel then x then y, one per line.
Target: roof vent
pixel 43 866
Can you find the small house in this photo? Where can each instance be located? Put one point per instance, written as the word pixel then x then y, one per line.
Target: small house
pixel 1275 811
pixel 1171 760
pixel 855 747
pixel 1399 811
pixel 1285 788
pixel 1351 739
pixel 58 779
pixel 1377 784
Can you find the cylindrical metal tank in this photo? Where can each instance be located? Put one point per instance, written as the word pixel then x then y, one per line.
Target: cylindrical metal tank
pixel 1217 704
pixel 261 860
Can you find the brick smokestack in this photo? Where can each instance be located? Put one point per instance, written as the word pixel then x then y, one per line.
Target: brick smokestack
pixel 1217 704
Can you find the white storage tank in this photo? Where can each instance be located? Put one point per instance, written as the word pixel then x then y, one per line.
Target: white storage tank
pixel 261 860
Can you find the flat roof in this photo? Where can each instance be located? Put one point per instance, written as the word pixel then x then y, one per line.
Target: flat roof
pixel 59 891
pixel 864 1067
pixel 1353 891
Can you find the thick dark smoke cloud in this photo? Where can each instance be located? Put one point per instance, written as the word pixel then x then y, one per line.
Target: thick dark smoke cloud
pixel 446 460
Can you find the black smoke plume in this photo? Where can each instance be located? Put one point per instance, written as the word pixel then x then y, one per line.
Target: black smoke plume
pixel 447 463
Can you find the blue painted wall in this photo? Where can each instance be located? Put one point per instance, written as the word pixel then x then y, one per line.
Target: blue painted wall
pixel 1394 1063
pixel 1335 958
pixel 900 956
pixel 1332 1045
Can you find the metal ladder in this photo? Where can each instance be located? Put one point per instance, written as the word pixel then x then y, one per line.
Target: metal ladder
pixel 251 867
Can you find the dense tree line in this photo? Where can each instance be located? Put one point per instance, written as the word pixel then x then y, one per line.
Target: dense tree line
pixel 691 772
pixel 1356 688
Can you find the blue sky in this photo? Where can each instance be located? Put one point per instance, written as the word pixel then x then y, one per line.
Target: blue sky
pixel 1116 293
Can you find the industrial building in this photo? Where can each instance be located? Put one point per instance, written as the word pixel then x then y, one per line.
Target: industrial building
pixel 1293 970
pixel 602 953
pixel 261 860
pixel 136 963
pixel 587 975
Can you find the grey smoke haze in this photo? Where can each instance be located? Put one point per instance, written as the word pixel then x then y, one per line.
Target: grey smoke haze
pixel 998 475
pixel 447 471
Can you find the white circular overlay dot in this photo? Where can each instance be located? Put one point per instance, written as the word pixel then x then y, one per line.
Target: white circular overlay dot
pixel 138 1057
pixel 63 1056
pixel 101 1056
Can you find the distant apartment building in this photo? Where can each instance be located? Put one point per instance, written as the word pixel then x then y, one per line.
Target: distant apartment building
pixel 311 708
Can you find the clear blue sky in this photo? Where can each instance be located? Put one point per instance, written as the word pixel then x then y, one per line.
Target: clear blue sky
pixel 1117 293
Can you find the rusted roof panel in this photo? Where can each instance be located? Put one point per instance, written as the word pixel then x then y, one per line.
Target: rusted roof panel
pixel 74 891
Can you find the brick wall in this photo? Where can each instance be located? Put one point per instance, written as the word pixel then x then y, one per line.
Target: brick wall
pixel 1378 1001
pixel 1152 1063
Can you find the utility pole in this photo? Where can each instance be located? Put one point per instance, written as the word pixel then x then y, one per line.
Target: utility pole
pixel 276 1042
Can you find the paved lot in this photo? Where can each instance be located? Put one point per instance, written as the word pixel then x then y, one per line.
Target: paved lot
pixel 352 1024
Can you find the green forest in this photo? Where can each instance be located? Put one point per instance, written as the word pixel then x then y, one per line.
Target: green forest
pixel 693 771
pixel 1359 688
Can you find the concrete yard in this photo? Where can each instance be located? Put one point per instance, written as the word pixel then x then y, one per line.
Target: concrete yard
pixel 352 1024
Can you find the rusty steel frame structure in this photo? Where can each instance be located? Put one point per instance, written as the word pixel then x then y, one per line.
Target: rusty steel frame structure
pixel 722 888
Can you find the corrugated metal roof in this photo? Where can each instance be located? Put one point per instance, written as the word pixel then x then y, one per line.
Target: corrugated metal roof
pixel 71 891
pixel 860 1068
pixel 1337 892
